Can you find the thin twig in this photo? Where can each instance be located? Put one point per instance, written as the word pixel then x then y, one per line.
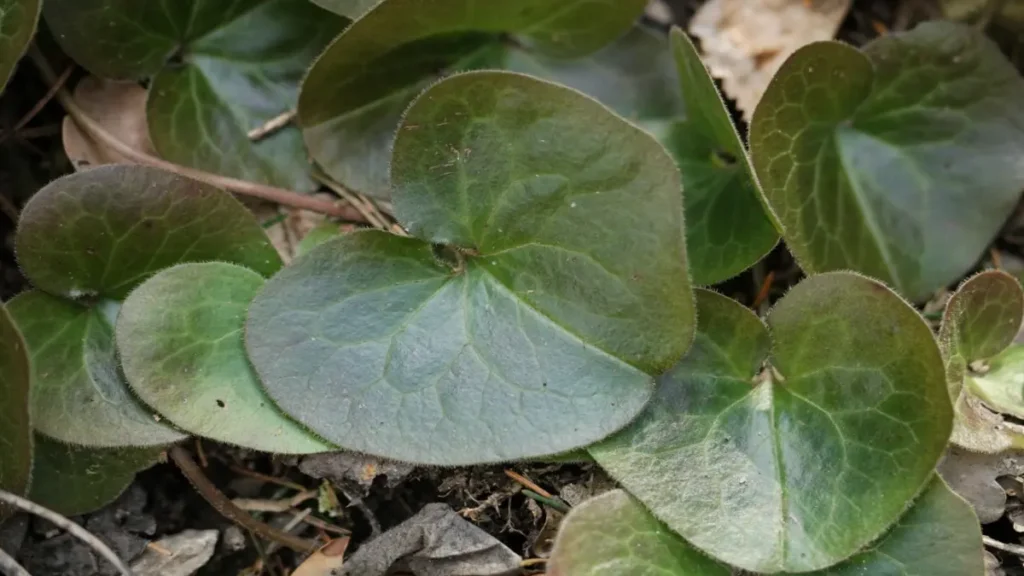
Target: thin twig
pixel 264 505
pixel 8 208
pixel 1011 548
pixel 270 193
pixel 10 567
pixel 68 526
pixel 295 521
pixel 325 526
pixel 365 210
pixel 223 504
pixel 54 88
pixel 992 8
pixel 527 483
pixel 267 478
pixel 353 500
pixel 270 126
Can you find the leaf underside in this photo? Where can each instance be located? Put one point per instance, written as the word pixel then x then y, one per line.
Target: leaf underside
pixel 899 161
pixel 614 534
pixel 855 387
pixel 180 339
pixel 534 334
pixel 218 70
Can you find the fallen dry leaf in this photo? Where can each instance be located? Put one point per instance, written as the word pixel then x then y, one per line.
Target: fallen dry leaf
pixel 324 561
pixel 120 107
pixel 746 41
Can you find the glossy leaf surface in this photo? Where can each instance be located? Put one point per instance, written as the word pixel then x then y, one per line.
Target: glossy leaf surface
pixel 219 69
pixel 900 161
pixel 727 228
pixel 18 19
pixel 74 480
pixel 983 316
pixel 78 393
pixel 561 289
pixel 353 97
pixel 181 345
pixel 15 426
pixel 614 534
pixel 103 231
pixel 820 453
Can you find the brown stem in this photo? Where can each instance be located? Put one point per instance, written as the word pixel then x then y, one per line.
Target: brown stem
pixel 98 133
pixel 54 88
pixel 223 504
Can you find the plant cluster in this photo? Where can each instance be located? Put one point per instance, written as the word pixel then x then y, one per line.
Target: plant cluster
pixel 541 295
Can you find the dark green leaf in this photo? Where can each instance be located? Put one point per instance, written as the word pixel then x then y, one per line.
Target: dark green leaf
pixel 220 69
pixel 983 316
pixel 78 393
pixel 72 480
pixel 614 534
pixel 180 339
pixel 727 228
pixel 15 427
pixel 353 96
pixel 18 19
pixel 633 75
pixel 103 231
pixel 535 331
pixel 819 453
pixel 901 161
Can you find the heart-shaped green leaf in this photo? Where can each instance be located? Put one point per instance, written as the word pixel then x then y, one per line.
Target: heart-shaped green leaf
pixel 15 427
pixel 982 317
pixel 901 161
pixel 103 231
pixel 614 534
pixel 536 330
pixel 820 452
pixel 219 70
pixel 78 393
pixel 727 228
pixel 181 345
pixel 353 97
pixel 72 480
pixel 18 19
pixel 350 9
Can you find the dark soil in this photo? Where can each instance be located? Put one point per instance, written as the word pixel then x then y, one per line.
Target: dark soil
pixel 162 502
